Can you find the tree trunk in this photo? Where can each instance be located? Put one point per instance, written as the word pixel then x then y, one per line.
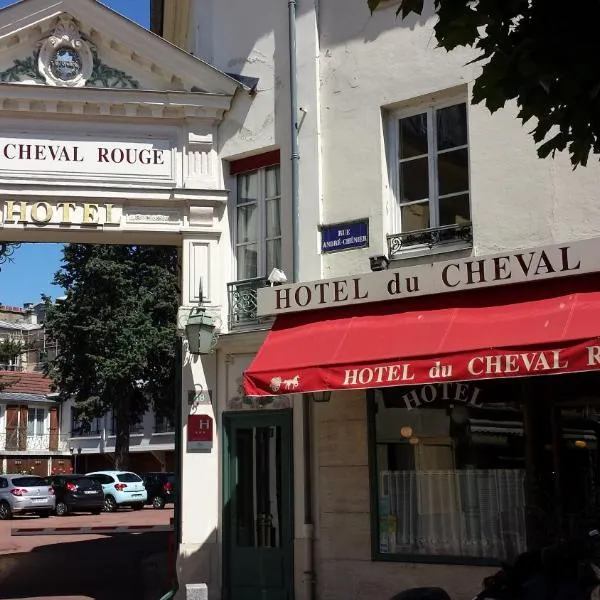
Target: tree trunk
pixel 122 422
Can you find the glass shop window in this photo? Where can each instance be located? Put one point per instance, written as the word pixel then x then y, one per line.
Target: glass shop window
pixel 450 471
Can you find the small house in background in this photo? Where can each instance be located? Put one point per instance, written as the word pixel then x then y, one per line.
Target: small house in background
pixel 42 436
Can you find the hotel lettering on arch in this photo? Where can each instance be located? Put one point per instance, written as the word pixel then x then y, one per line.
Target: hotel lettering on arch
pixel 480 384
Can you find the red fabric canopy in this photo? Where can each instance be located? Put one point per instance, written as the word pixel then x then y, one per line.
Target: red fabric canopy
pixel 514 331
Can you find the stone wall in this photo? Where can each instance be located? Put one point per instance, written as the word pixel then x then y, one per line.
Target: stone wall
pixel 344 567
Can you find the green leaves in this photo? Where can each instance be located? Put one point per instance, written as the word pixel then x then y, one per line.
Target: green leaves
pixel 406 7
pixel 116 330
pixel 10 350
pixel 540 54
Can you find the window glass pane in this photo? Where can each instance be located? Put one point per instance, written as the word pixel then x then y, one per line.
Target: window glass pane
pixel 273 255
pixel 273 218
pixel 453 172
pixel 272 183
pixel 247 187
pixel 415 216
pixel 413 136
pixel 247 224
pixel 451 126
pixel 257 496
pixel 450 462
pixel 35 421
pixel 414 180
pixel 30 481
pixel 129 478
pixel 455 210
pixel 247 261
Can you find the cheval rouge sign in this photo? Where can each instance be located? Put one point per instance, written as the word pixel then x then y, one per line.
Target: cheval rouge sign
pixel 149 158
pixel 574 258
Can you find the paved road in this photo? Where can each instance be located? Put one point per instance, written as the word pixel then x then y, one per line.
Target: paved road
pixel 81 567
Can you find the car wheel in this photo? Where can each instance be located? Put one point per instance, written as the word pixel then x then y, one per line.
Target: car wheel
pixel 158 502
pixel 138 506
pixel 110 504
pixel 61 509
pixel 5 512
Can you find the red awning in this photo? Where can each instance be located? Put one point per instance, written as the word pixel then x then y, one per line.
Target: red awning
pixel 527 329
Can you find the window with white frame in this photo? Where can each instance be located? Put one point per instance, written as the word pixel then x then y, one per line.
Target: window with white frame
pixel 258 222
pixel 83 427
pixel 36 421
pixel 432 172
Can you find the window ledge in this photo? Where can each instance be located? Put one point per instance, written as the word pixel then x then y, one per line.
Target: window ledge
pixel 423 250
pixel 435 240
pixel 162 433
pixel 97 436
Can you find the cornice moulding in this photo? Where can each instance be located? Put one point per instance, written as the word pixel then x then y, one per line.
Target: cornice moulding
pixel 114 102
pixel 125 193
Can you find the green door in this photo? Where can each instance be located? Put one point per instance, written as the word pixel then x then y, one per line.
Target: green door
pixel 257 511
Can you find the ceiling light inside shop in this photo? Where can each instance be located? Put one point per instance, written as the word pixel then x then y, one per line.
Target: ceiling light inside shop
pixel 406 432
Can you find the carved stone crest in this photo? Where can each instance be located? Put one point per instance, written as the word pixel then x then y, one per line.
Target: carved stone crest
pixel 65 57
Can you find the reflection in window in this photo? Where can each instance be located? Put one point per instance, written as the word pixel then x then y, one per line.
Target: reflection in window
pixel 258 223
pixel 433 168
pixel 450 475
pixel 452 461
pixel 258 492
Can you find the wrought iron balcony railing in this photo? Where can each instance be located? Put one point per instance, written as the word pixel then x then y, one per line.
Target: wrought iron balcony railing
pixel 242 302
pixel 431 238
pixel 84 430
pixel 134 428
pixel 19 440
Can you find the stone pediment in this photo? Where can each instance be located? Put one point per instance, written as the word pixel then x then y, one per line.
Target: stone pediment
pixel 84 44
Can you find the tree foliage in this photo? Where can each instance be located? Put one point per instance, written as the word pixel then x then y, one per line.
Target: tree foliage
pixel 540 53
pixel 7 249
pixel 10 350
pixel 116 333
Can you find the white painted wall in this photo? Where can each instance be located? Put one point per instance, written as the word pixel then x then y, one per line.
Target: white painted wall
pixel 353 68
pixel 369 64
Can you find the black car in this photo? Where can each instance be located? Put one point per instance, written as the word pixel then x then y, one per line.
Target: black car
pixel 77 493
pixel 160 488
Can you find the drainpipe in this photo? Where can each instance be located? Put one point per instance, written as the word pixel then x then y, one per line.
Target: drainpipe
pixel 294 141
pixel 309 574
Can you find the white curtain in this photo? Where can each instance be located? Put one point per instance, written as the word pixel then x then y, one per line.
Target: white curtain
pixel 476 513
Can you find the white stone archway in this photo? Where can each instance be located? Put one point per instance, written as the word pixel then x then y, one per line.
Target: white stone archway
pixel 108 134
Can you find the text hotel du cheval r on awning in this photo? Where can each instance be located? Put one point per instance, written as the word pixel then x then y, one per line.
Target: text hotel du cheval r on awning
pixel 546 328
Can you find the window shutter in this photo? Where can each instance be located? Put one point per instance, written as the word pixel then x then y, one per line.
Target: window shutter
pixel 54 428
pixel 22 435
pixel 12 424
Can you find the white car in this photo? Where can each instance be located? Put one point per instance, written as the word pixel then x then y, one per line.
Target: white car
pixel 121 488
pixel 21 494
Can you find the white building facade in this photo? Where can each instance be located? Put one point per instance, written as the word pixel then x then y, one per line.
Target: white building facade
pixel 113 135
pixel 396 169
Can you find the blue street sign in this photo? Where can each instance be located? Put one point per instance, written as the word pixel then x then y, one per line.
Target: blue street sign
pixel 345 236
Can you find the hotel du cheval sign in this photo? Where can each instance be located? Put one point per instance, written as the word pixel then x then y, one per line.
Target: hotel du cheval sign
pixel 549 262
pixel 574 346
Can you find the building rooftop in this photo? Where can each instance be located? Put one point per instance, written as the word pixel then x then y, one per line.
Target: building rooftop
pixel 23 382
pixel 19 325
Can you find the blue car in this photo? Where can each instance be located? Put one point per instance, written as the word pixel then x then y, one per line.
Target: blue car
pixel 121 488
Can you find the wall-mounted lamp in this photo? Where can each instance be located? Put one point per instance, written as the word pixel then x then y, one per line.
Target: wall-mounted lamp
pixel 200 331
pixel 379 262
pixel 276 277
pixel 320 396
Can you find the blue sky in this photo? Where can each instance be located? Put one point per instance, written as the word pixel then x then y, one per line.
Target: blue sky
pixel 33 266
